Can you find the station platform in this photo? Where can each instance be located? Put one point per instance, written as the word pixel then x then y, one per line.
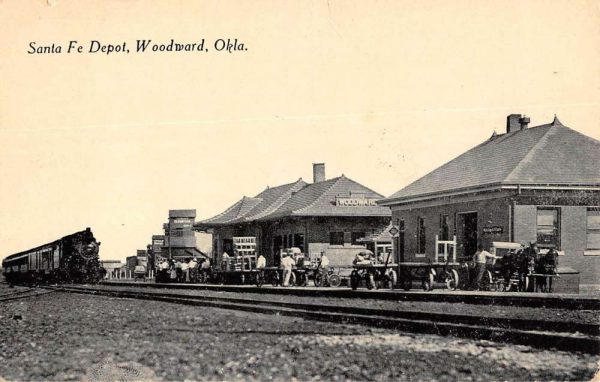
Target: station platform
pixel 546 300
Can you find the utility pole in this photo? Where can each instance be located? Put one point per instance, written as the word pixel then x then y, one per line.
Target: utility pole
pixel 170 256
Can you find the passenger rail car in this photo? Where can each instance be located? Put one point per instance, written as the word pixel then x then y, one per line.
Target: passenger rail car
pixel 71 259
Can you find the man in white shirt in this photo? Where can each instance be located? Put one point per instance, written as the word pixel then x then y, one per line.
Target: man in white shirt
pixel 324 261
pixel 287 263
pixel 261 262
pixel 224 261
pixel 480 258
pixel 205 269
pixel 164 265
pixel 185 274
pixel 193 270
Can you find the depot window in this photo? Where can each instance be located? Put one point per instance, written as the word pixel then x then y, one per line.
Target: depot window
pixel 593 228
pixel 336 238
pixel 444 227
pixel 299 241
pixel 421 236
pixel 548 228
pixel 355 236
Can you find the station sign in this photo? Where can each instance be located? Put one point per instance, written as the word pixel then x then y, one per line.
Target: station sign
pixel 355 202
pixel 495 230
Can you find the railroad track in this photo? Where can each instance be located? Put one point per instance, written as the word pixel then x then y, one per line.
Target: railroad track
pixel 531 300
pixel 15 292
pixel 567 336
pixel 19 295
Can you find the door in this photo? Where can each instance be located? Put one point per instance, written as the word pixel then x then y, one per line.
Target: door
pixel 468 234
pixel 277 245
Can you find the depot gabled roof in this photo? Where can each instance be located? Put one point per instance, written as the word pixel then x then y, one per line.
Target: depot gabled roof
pixel 320 199
pixel 301 199
pixel 383 235
pixel 247 209
pixel 548 155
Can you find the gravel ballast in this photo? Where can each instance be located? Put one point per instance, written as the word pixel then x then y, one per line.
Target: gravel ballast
pixel 504 311
pixel 64 336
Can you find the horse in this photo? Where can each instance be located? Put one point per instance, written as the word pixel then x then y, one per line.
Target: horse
pixel 546 265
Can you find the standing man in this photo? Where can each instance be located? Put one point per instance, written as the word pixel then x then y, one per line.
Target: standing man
pixel 163 270
pixel 224 261
pixel 287 263
pixel 480 258
pixel 205 270
pixel 324 263
pixel 178 271
pixel 193 269
pixel 261 262
pixel 322 269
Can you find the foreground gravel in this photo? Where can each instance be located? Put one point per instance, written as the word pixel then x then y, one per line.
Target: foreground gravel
pixel 563 315
pixel 63 336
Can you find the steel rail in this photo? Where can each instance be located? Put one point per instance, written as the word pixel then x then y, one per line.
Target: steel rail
pixel 21 296
pixel 16 292
pixel 533 300
pixel 549 335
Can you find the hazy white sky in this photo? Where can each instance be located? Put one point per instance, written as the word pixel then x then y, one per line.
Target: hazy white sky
pixel 382 92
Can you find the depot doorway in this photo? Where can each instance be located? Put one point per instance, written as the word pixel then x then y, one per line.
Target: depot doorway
pixel 467 233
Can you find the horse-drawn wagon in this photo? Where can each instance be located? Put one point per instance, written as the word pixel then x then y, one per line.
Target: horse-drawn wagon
pixel 375 273
pixel 444 269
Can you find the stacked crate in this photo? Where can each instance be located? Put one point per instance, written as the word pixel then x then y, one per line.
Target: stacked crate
pixel 244 251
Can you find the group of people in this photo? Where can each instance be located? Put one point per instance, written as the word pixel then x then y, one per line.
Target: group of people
pixel 524 261
pixel 185 270
pixel 288 262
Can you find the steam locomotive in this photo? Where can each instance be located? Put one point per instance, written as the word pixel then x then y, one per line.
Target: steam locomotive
pixel 71 259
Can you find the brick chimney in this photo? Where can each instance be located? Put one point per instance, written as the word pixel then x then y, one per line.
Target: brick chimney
pixel 513 123
pixel 318 172
pixel 524 121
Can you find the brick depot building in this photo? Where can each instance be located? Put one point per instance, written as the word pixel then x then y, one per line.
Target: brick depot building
pixel 325 216
pixel 538 184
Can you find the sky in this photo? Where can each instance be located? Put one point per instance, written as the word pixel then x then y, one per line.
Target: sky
pixel 381 91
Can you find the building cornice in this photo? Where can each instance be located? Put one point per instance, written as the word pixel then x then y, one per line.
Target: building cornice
pixel 487 188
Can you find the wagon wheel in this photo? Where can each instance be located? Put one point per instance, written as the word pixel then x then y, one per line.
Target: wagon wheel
pixel 452 279
pixel 275 278
pixel 392 279
pixel 354 280
pixel 303 280
pixel 318 279
pixel 335 281
pixel 487 281
pixel 370 281
pixel 427 282
pixel 501 286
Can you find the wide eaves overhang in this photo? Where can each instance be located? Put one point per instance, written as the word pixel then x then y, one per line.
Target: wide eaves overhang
pixel 389 202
